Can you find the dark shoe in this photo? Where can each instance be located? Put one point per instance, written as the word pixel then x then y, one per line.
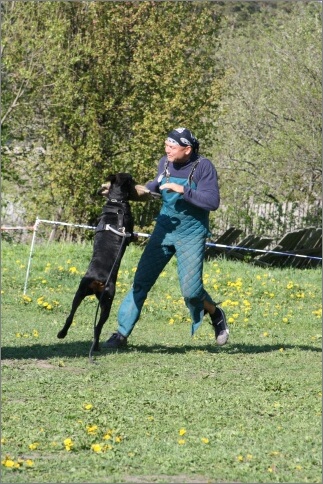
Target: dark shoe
pixel 116 341
pixel 220 326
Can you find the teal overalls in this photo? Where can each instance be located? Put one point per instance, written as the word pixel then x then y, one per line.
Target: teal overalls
pixel 181 229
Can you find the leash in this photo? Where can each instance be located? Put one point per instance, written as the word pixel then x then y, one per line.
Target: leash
pixel 105 285
pixel 122 233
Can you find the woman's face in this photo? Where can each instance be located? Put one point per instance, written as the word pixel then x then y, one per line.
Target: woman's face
pixel 177 153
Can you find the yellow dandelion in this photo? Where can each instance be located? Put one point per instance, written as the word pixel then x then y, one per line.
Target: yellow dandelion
pixel 33 446
pixel 240 458
pixel 118 439
pixel 87 406
pixel 171 321
pixel 96 448
pixel 181 441
pixel 92 429
pixel 35 333
pixel 107 436
pixel 249 456
pixel 205 440
pixel 8 462
pixel 107 447
pixel 29 463
pixel 182 431
pixel 68 444
pixel 265 334
pixel 298 467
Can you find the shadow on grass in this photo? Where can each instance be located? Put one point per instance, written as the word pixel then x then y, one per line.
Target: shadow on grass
pixel 77 349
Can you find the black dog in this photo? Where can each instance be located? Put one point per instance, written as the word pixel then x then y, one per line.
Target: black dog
pixel 113 233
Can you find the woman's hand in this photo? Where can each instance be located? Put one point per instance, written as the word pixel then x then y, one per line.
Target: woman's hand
pixel 172 187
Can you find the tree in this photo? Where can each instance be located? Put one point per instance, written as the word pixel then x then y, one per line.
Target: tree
pixel 106 81
pixel 269 130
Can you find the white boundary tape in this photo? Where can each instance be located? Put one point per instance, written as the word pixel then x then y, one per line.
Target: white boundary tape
pixel 140 234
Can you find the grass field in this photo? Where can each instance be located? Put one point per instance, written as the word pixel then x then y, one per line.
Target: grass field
pixel 171 408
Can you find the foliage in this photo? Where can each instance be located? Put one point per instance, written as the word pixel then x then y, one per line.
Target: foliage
pixel 99 86
pixel 92 87
pixel 171 408
pixel 269 129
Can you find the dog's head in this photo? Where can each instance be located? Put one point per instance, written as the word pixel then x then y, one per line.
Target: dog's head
pixel 123 187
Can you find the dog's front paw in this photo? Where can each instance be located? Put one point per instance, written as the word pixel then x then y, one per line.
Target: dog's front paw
pixel 104 190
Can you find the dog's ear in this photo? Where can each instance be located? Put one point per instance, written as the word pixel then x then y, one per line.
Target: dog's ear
pixel 111 178
pixel 122 178
pixel 104 190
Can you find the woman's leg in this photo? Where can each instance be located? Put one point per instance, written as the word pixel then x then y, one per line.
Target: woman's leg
pixel 190 257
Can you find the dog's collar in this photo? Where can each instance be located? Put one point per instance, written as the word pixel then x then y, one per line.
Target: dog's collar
pixel 114 200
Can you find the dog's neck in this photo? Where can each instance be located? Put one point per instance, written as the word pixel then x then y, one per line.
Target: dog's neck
pixel 115 200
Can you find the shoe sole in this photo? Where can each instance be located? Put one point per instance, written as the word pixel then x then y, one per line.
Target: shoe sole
pixel 223 338
pixel 106 347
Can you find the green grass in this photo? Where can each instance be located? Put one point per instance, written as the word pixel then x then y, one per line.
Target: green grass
pixel 171 408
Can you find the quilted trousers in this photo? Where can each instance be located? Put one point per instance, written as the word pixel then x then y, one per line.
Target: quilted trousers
pixel 189 252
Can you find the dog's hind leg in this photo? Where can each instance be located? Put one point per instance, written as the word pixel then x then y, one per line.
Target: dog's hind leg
pixel 83 291
pixel 106 301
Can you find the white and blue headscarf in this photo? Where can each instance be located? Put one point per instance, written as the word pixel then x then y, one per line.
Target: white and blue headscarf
pixel 183 137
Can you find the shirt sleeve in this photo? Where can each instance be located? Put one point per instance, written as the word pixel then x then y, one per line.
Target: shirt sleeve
pixel 153 185
pixel 206 195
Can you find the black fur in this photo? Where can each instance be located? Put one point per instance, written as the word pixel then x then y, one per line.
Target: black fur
pixel 108 250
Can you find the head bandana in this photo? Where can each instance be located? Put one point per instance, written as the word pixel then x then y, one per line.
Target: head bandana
pixel 183 137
